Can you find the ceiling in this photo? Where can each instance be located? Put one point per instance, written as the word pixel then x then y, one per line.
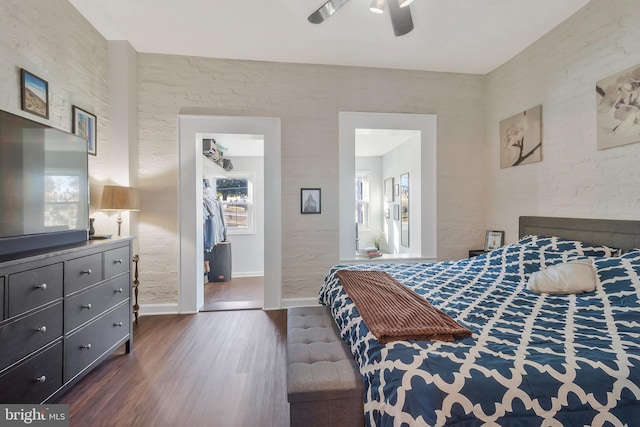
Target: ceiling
pixel 465 36
pixel 378 142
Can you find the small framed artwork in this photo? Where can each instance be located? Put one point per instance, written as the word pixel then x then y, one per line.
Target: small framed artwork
pixel 388 190
pixel 397 189
pixel 493 240
pixel 396 212
pixel 84 125
pixel 387 213
pixel 310 201
pixel 35 94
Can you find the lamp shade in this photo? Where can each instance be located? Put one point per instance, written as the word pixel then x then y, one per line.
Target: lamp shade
pixel 404 3
pixel 117 198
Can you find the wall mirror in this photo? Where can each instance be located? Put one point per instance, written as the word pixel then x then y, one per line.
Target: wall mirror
pixel 404 210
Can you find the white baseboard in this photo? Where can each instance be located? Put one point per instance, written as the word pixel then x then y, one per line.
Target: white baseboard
pixel 299 302
pixel 162 309
pixel 247 274
pixel 158 309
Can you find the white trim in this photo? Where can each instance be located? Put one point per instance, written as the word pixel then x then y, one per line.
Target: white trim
pixel 157 309
pixel 247 274
pixel 190 130
pixel 426 124
pixel 299 302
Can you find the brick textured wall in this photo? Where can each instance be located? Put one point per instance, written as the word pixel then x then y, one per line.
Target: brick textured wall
pixel 52 40
pixel 559 72
pixel 308 99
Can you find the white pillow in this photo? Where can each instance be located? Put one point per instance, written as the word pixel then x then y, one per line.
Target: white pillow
pixel 571 277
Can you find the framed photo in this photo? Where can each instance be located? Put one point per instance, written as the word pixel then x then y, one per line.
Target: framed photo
pixel 84 125
pixel 397 189
pixel 35 94
pixel 310 202
pixel 493 240
pixel 387 213
pixel 396 212
pixel 388 190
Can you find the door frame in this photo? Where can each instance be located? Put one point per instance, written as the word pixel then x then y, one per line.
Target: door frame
pixel 190 218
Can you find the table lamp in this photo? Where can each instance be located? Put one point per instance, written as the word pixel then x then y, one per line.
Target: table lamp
pixel 118 198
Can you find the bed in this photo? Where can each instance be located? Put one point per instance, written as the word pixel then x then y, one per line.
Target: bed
pixel 533 358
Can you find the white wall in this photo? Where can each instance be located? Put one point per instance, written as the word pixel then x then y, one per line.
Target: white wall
pixel 53 41
pixel 172 85
pixel 406 159
pixel 247 250
pixel 559 72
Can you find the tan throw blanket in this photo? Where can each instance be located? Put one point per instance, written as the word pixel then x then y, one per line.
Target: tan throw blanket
pixel 394 312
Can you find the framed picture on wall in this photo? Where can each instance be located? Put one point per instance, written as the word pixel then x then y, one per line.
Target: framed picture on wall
pixel 388 190
pixel 310 201
pixel 521 138
pixel 35 94
pixel 493 240
pixel 396 212
pixel 84 125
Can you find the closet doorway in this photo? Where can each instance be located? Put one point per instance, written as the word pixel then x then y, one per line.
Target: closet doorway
pixel 190 130
pixel 233 183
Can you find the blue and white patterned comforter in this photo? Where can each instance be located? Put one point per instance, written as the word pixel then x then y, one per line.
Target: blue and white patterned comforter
pixel 533 359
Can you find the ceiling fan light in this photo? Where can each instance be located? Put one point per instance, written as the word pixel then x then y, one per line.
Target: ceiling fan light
pixel 404 3
pixel 377 6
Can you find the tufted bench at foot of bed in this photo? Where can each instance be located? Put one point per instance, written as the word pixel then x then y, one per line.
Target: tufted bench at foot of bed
pixel 323 382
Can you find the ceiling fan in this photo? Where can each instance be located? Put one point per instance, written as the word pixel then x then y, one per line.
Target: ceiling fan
pixel 398 12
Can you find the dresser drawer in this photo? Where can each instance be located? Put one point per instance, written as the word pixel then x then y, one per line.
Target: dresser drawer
pixel 35 379
pixel 82 272
pixel 85 306
pixel 33 288
pixel 89 343
pixel 116 261
pixel 23 336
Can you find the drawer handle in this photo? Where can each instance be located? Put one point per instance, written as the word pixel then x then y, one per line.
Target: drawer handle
pixel 87 272
pixel 118 261
pixel 119 291
pixel 41 379
pixel 119 324
pixel 42 286
pixel 85 347
pixel 87 306
pixel 42 329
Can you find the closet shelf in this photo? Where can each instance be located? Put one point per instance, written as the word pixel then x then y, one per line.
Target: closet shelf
pixel 212 169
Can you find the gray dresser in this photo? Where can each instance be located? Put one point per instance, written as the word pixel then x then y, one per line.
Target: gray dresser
pixel 62 312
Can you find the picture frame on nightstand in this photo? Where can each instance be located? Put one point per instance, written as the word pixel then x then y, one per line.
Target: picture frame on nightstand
pixel 493 240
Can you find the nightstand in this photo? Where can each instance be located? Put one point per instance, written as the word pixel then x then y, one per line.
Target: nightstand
pixel 476 252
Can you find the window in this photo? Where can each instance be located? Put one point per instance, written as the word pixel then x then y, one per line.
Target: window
pixel 237 203
pixel 362 200
pixel 62 200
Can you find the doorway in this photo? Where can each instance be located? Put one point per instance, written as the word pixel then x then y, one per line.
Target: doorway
pixel 190 130
pixel 421 213
pixel 233 181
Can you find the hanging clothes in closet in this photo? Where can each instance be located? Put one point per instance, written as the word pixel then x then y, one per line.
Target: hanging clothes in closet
pixel 215 230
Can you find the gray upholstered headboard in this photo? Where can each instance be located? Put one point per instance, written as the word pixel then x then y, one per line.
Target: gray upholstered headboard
pixel 622 234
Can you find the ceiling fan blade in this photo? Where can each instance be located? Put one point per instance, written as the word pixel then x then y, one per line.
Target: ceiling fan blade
pixel 400 18
pixel 325 11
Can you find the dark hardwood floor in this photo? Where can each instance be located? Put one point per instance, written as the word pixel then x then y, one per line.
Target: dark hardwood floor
pixel 240 293
pixel 224 368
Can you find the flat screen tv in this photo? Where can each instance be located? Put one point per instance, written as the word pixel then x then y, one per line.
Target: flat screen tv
pixel 44 186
